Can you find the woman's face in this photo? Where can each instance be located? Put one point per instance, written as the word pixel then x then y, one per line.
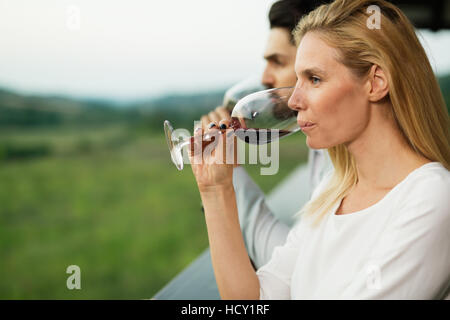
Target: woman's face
pixel 330 100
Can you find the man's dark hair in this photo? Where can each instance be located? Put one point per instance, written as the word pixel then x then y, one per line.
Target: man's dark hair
pixel 287 13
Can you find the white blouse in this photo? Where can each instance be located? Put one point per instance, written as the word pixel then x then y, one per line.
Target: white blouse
pixel 398 248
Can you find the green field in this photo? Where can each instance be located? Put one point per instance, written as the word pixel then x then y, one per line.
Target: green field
pixel 107 199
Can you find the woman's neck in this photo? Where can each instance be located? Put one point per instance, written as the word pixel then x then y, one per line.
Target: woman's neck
pixel 382 155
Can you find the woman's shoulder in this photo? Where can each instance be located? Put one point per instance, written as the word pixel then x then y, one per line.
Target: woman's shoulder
pixel 425 192
pixel 431 178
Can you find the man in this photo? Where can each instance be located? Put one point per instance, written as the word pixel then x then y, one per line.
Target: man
pixel 262 228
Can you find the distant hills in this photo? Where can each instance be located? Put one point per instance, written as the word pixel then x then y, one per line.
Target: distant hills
pixel 33 110
pixel 180 109
pixel 18 110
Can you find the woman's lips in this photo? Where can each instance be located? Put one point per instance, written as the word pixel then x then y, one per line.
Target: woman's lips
pixel 306 125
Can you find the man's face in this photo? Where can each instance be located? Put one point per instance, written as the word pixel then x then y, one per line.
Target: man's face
pixel 280 56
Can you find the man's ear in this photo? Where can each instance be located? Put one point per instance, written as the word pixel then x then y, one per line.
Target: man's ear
pixel 378 84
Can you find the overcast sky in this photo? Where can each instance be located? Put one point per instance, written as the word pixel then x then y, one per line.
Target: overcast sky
pixel 134 49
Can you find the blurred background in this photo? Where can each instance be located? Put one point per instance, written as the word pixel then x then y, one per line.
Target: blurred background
pixel 85 174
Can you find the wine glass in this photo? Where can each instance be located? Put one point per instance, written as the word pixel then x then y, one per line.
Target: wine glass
pixel 240 90
pixel 176 140
pixel 266 112
pixel 258 118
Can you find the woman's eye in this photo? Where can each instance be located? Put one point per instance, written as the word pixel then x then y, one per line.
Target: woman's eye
pixel 314 80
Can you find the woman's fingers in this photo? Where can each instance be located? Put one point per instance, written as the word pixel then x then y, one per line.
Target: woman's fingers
pixel 196 142
pixel 218 114
pixel 224 146
pixel 211 129
pixel 214 116
pixel 212 125
pixel 231 142
pixel 207 162
pixel 214 145
pixel 223 113
pixel 224 124
pixel 205 121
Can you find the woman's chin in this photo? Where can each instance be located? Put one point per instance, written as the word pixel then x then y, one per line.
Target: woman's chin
pixel 315 144
pixel 311 143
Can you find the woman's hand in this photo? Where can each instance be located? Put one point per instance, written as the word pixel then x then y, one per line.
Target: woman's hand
pixel 235 276
pixel 213 164
pixel 219 115
pixel 216 115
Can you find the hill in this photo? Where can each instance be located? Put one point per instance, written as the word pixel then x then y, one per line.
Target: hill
pixel 19 110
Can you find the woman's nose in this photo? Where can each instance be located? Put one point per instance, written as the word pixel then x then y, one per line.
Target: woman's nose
pixel 295 101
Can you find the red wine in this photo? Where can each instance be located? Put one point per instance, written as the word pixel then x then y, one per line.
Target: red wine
pixel 255 135
pixel 259 136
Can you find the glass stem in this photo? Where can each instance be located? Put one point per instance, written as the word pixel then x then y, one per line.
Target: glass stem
pixel 183 143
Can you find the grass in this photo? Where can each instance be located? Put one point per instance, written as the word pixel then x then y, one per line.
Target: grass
pixel 119 210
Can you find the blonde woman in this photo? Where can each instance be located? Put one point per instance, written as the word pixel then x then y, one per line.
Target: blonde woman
pixel 378 226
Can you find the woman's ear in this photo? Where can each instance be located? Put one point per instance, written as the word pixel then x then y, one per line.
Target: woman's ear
pixel 378 84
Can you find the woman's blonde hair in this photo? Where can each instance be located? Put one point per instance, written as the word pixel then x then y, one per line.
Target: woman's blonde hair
pixel 417 102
